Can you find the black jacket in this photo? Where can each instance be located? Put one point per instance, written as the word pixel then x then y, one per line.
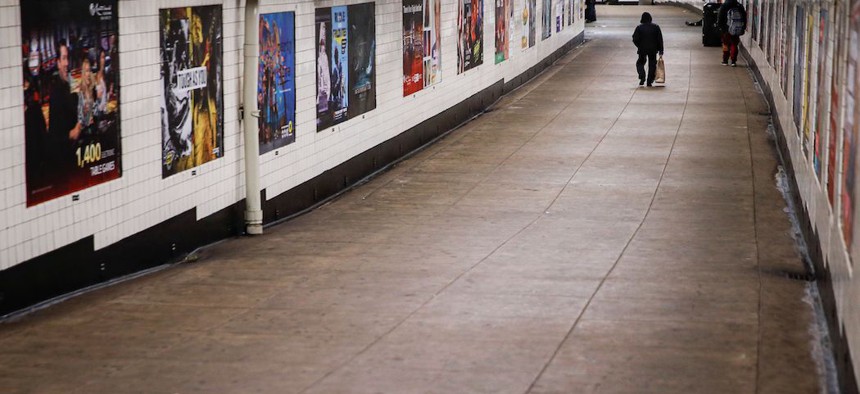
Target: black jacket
pixel 723 19
pixel 648 38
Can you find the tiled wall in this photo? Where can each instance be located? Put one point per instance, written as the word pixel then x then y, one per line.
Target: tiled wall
pixel 823 215
pixel 141 199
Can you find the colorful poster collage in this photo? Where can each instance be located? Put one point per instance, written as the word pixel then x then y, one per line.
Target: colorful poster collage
pixel 546 19
pixel 836 83
pixel 71 96
pixel 851 123
pixel 346 56
pixel 529 24
pixel 422 40
pixel 470 33
pixel 504 15
pixel 192 104
pixel 276 81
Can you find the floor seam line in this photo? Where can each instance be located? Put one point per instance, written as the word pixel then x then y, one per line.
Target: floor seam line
pixel 629 241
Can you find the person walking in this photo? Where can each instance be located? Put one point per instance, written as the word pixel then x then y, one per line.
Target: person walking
pixel 649 42
pixel 732 23
pixel 590 11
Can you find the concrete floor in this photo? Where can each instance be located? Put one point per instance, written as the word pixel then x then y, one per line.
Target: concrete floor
pixel 585 236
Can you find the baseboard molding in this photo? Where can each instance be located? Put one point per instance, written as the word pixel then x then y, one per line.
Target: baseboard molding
pixel 823 276
pixel 79 266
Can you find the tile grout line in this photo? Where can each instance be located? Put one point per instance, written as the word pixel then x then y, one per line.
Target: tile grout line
pixel 755 235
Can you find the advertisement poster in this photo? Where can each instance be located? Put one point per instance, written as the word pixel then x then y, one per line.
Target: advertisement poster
pixel 836 84
pixel 432 42
pixel 850 126
pixel 559 15
pixel 766 24
pixel 346 55
pixel 799 57
pixel 470 30
pixel 754 16
pixel 503 23
pixel 546 19
pixel 71 96
pixel 786 51
pixel 413 46
pixel 362 59
pixel 571 11
pixel 192 105
pixel 276 81
pixel 528 24
pixel 808 103
pixel 819 122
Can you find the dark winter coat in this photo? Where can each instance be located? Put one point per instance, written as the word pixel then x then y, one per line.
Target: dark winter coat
pixel 723 19
pixel 647 36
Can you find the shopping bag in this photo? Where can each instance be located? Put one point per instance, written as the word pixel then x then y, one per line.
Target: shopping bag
pixel 660 74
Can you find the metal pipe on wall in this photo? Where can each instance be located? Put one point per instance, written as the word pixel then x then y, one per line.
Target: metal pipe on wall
pixel 253 205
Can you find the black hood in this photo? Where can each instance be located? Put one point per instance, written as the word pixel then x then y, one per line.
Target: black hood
pixel 646 18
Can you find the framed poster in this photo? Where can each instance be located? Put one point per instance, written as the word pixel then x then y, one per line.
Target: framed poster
pixel 546 19
pixel 504 10
pixel 192 95
pixel 528 38
pixel 71 96
pixel 822 103
pixel 851 123
pixel 470 33
pixel 276 81
pixel 345 62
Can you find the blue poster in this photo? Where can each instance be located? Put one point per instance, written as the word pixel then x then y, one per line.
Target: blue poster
pixel 339 70
pixel 276 81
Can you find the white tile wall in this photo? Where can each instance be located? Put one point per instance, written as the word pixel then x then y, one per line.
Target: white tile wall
pixel 141 198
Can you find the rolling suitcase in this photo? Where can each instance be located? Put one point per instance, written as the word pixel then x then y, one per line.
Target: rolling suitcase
pixel 710 32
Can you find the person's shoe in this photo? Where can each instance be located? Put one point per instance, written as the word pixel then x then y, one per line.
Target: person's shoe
pixel 725 63
pixel 734 64
pixel 641 82
pixel 650 84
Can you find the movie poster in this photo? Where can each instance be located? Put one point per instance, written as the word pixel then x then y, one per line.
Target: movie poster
pixel 786 51
pixel 820 122
pixel 754 16
pixel 850 126
pixel 503 23
pixel 362 59
pixel 71 96
pixel 559 15
pixel 529 16
pixel 421 44
pixel 192 105
pixel 346 56
pixel 432 42
pixel 546 19
pixel 276 81
pixel 571 11
pixel 470 30
pixel 413 46
pixel 766 24
pixel 808 104
pixel 799 56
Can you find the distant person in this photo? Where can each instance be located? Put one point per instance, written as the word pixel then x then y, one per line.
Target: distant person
pixel 732 23
pixel 649 42
pixel 590 11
